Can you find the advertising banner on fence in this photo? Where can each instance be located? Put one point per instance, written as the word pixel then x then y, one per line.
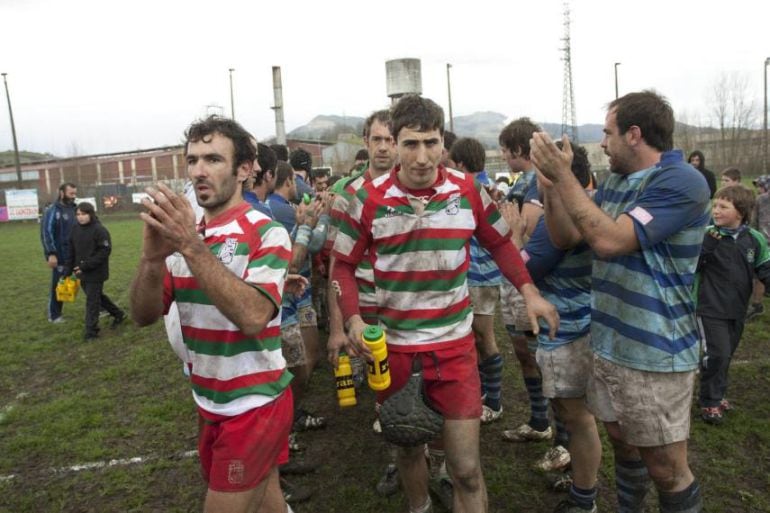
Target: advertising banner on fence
pixel 90 200
pixel 21 204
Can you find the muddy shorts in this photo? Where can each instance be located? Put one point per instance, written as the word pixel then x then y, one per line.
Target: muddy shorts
pixel 652 409
pixel 484 299
pixel 293 346
pixel 237 453
pixel 566 369
pixel 513 308
pixel 451 380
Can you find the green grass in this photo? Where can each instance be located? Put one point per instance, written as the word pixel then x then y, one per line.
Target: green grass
pixel 124 396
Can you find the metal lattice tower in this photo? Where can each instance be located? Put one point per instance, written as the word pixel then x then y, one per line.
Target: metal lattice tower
pixel 569 124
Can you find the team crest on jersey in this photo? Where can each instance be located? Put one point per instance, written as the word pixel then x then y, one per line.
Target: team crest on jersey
pixel 750 256
pixel 453 205
pixel 391 212
pixel 227 251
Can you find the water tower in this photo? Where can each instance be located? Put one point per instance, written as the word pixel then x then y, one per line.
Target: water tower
pixel 403 76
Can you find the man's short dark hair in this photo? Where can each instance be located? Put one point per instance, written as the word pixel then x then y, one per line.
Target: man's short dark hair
pixel 281 151
pixel 283 173
pixel 516 135
pixel 319 173
pixel 67 185
pixel 301 160
pixel 469 152
pixel 449 140
pixel 581 167
pixel 362 155
pixel 651 112
pixel 267 161
pixel 203 130
pixel 417 113
pixel 383 116
pixel 741 197
pixel 733 173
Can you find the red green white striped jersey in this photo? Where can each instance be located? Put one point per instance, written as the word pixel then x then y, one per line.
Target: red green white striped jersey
pixel 367 299
pixel 419 249
pixel 230 372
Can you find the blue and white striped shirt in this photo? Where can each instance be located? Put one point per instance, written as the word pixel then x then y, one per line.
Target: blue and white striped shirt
pixel 482 270
pixel 564 279
pixel 643 304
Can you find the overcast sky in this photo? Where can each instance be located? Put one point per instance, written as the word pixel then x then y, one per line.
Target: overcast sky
pixel 101 76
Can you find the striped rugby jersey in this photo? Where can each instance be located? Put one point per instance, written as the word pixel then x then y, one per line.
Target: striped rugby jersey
pixel 232 373
pixel 643 304
pixel 419 250
pixel 367 300
pixel 483 271
pixel 564 279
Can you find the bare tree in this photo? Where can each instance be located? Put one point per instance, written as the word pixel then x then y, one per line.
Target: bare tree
pixel 687 132
pixel 734 112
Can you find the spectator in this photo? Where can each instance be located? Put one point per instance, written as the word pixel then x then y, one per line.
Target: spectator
pixel 731 176
pixel 90 248
pixel 698 161
pixel 732 254
pixel 55 230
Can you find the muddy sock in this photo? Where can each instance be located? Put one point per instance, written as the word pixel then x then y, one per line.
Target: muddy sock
pixel 582 498
pixel 632 482
pixel 687 501
pixel 562 435
pixel 538 404
pixel 493 372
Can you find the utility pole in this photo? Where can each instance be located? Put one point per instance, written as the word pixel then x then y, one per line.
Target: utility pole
pixel 449 93
pixel 569 124
pixel 616 79
pixel 764 136
pixel 232 101
pixel 16 145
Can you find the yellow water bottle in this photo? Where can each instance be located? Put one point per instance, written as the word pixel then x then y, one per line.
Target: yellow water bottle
pixel 346 392
pixel 379 371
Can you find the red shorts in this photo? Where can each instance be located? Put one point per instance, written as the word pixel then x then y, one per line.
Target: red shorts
pixel 453 387
pixel 237 453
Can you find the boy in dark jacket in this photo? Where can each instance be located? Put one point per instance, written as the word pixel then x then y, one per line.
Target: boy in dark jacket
pixel 731 255
pixel 90 249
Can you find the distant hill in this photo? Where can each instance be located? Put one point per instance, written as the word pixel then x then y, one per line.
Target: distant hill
pixel 6 157
pixel 484 126
pixel 327 128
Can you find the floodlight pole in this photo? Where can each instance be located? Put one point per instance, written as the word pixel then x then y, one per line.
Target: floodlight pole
pixel 13 132
pixel 232 101
pixel 449 93
pixel 616 79
pixel 764 135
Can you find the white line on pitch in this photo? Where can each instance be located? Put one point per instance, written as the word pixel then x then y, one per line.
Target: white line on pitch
pixel 95 465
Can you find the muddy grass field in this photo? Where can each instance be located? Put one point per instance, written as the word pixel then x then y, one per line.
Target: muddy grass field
pixel 110 425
